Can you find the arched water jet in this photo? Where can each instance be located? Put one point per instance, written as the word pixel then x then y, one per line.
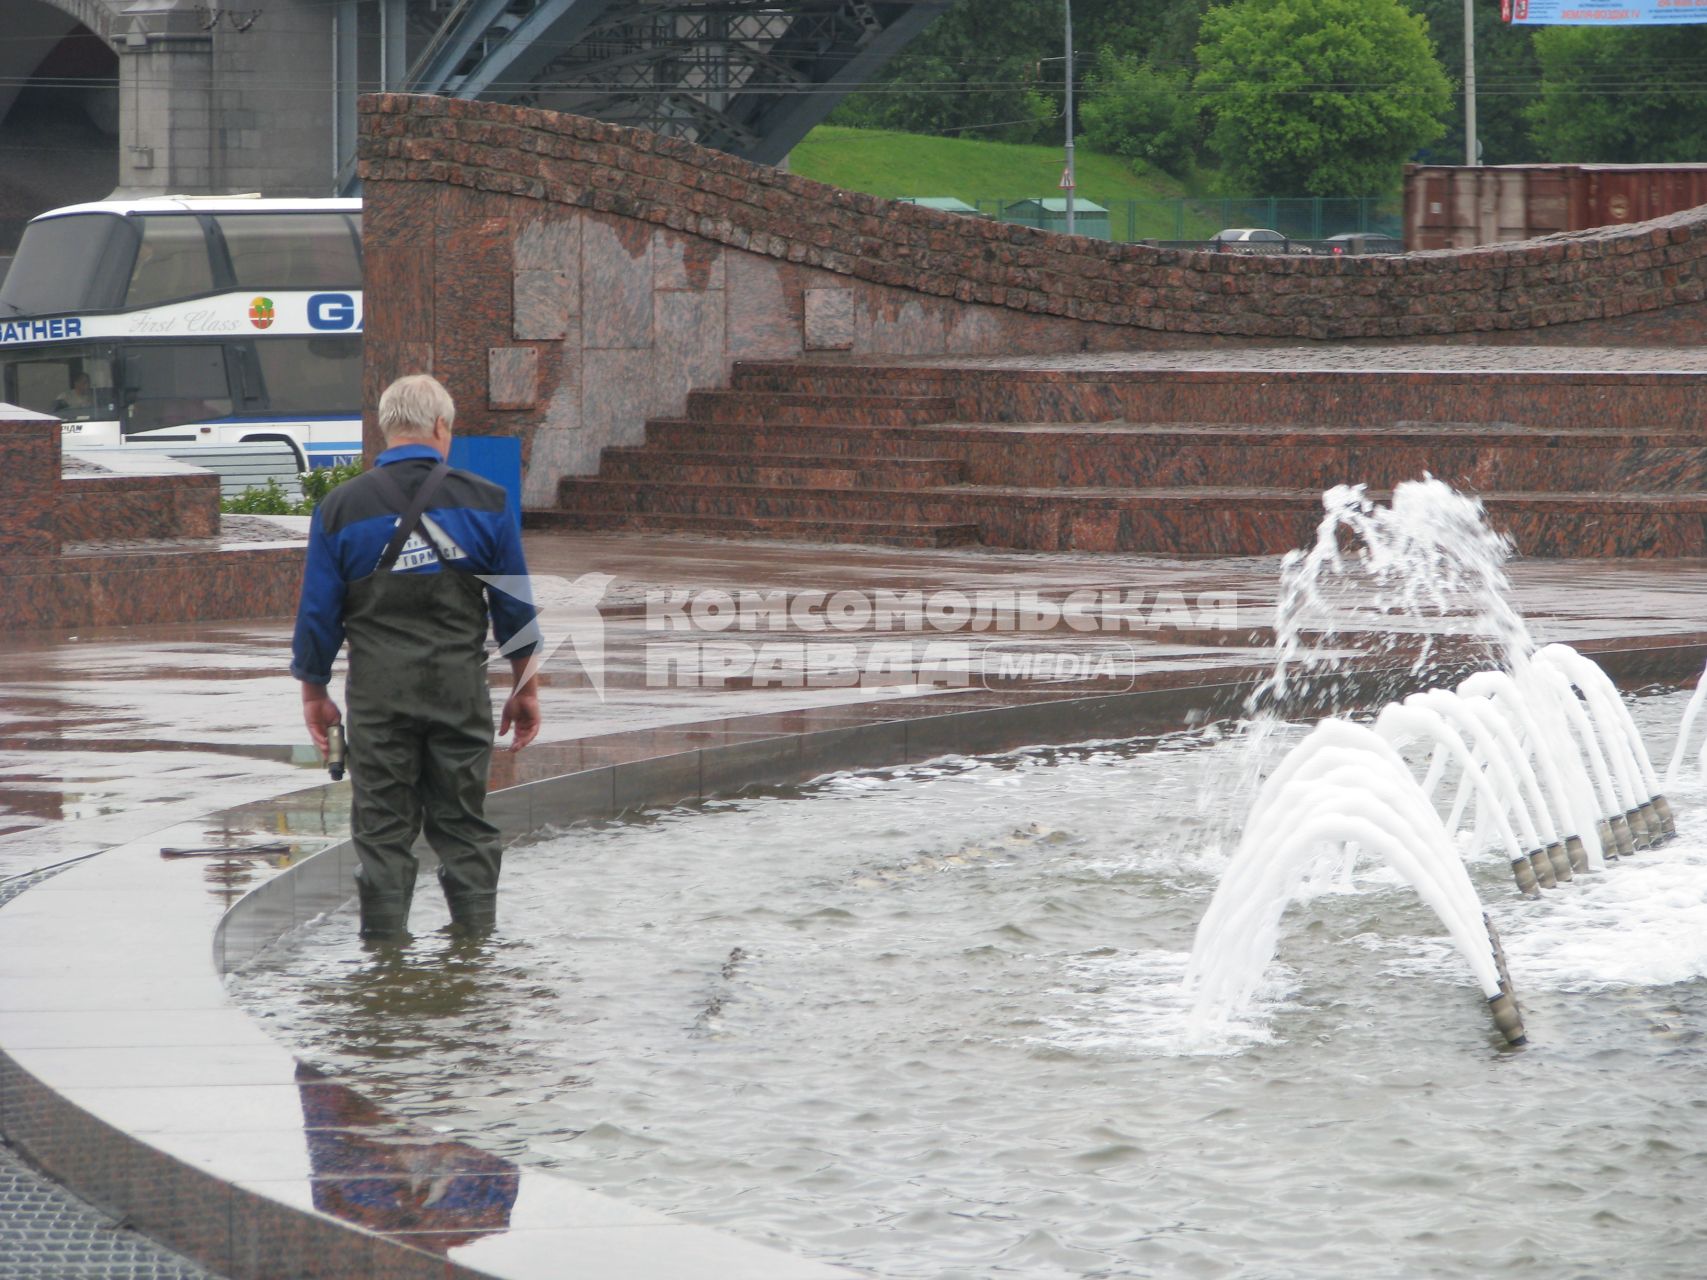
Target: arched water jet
pixel 1696 701
pixel 1543 744
pixel 1492 753
pixel 1344 783
pixel 1412 721
pixel 1651 812
pixel 1556 688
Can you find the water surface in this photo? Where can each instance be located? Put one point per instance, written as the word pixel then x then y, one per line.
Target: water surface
pixel 927 1023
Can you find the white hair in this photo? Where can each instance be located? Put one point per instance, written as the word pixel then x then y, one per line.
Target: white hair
pixel 412 405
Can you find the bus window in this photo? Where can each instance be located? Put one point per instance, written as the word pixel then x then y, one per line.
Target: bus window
pixel 311 376
pixel 291 250
pixel 171 262
pixel 75 263
pixel 74 384
pixel 168 385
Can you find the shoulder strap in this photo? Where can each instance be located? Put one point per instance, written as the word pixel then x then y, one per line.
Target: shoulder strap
pixel 412 509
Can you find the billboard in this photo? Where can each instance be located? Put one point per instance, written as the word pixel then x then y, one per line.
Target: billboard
pixel 1603 13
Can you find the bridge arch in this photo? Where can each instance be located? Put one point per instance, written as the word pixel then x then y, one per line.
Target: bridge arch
pixel 59 109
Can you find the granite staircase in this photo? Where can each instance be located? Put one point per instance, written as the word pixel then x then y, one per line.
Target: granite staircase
pixel 1184 462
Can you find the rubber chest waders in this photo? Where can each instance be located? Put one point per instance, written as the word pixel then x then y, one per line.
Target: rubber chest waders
pixel 420 740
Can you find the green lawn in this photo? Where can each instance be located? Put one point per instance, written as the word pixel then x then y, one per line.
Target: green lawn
pixel 882 163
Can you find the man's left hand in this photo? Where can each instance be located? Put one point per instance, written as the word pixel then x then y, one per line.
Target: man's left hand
pixel 521 713
pixel 319 713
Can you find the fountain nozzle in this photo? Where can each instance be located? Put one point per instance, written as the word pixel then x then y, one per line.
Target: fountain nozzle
pixel 1543 868
pixel 1668 824
pixel 1656 829
pixel 1639 833
pixel 1577 853
pixel 1508 1018
pixel 1561 861
pixel 1523 871
pixel 1608 842
pixel 1622 837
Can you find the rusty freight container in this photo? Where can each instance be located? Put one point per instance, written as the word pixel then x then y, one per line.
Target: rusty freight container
pixel 1459 206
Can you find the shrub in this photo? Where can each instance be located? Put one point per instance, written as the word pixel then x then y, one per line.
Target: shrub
pixel 272 500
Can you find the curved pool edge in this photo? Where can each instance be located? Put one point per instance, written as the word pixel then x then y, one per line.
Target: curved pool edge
pixel 127 1073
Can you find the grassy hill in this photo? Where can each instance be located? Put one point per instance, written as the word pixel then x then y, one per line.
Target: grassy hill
pixel 882 163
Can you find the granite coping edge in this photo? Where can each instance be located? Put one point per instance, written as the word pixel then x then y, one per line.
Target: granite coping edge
pixel 198 1199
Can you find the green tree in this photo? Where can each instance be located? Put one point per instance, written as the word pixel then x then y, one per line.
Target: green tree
pixel 1612 96
pixel 1319 97
pixel 994 68
pixel 1508 79
pixel 1147 114
pixel 978 67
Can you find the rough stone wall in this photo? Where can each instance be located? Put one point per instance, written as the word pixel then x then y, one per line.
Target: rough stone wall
pixel 570 278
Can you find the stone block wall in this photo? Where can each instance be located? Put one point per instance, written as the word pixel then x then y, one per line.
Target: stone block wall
pixel 569 279
pixel 29 461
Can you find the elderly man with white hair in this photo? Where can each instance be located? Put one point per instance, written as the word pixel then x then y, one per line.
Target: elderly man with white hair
pixel 395 561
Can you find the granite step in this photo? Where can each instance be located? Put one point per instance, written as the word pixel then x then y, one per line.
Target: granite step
pixel 816 409
pixel 732 465
pixel 1182 520
pixel 1054 391
pixel 866 533
pixel 1468 456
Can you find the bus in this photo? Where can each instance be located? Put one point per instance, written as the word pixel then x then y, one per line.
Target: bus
pixel 183 320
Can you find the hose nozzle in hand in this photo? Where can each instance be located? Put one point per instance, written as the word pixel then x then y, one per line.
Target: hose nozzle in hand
pixel 335 752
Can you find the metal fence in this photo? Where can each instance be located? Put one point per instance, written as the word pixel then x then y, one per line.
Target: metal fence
pixel 1298 218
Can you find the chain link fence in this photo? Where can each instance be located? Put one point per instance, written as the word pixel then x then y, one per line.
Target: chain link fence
pixel 1297 218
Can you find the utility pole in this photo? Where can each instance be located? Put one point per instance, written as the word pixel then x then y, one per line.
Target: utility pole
pixel 1470 147
pixel 1067 179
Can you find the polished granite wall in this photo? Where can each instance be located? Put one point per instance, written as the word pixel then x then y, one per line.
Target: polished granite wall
pixel 137 542
pixel 571 279
pixel 29 463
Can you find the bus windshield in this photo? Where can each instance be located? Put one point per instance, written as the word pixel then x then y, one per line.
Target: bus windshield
pixel 80 262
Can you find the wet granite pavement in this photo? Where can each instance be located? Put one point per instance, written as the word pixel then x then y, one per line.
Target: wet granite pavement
pixel 109 734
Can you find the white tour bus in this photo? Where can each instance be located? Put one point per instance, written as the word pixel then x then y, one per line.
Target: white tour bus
pixel 185 319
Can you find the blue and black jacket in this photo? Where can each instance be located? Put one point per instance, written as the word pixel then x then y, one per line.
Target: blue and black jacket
pixel 355 521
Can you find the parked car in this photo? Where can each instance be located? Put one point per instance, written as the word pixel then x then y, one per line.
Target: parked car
pixel 1253 240
pixel 1363 242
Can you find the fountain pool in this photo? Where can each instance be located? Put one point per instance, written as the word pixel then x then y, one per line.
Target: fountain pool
pixel 929 1023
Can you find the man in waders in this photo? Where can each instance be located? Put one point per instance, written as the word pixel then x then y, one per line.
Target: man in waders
pixel 393 556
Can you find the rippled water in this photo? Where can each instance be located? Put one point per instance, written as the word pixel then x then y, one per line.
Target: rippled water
pixel 925 1023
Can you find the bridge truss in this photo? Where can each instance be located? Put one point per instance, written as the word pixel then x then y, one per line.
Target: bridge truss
pixel 746 76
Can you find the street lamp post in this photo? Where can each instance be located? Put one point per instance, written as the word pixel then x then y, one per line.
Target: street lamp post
pixel 1068 179
pixel 1469 82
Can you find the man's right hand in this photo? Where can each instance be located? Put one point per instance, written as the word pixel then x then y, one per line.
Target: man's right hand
pixel 319 713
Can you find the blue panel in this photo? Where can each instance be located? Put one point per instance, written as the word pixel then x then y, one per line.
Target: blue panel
pixel 495 458
pixel 1603 13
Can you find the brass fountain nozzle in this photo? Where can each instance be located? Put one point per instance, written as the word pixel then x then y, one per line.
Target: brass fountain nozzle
pixel 1668 824
pixel 1656 829
pixel 1508 1018
pixel 335 752
pixel 1577 852
pixel 1622 836
pixel 1640 836
pixel 1608 841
